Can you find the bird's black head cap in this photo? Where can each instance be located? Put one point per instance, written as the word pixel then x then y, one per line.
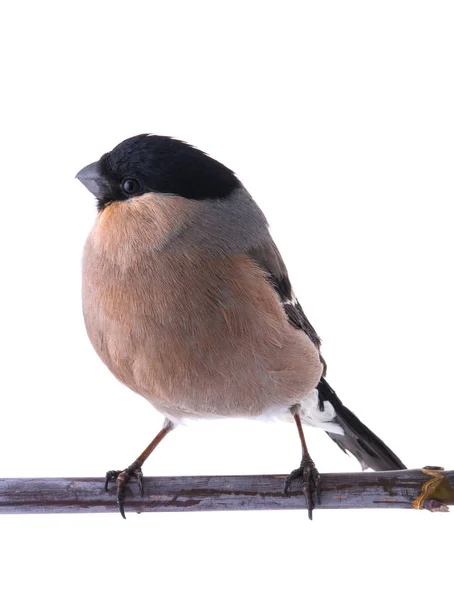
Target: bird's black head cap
pixel 160 164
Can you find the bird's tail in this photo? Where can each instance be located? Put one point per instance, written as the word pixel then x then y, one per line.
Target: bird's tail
pixel 359 440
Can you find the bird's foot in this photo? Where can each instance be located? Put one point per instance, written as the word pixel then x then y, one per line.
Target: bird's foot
pixel 122 478
pixel 310 480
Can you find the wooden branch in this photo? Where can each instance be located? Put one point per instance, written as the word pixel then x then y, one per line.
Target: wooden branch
pixel 428 488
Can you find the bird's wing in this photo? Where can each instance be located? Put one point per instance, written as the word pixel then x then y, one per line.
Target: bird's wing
pixel 356 438
pixel 268 257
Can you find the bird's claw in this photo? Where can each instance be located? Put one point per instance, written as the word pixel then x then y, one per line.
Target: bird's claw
pixel 110 475
pixel 122 478
pixel 310 480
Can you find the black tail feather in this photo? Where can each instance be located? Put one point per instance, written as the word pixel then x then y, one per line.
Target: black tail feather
pixel 359 440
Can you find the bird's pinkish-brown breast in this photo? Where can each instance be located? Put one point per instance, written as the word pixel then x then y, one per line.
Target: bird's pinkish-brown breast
pixel 196 334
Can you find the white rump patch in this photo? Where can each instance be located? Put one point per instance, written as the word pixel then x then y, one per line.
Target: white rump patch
pixel 312 415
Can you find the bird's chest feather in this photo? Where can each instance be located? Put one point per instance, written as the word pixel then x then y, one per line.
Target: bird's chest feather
pixel 132 293
pixel 199 334
pixel 142 316
pixel 159 311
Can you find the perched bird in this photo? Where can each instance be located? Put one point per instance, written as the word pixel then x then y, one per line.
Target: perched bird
pixel 187 301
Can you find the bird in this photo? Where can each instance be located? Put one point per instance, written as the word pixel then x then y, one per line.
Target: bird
pixel 188 302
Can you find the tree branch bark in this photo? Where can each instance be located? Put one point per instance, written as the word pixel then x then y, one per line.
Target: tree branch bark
pixel 419 488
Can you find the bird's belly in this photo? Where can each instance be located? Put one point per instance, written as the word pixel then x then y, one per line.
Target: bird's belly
pixel 183 375
pixel 203 354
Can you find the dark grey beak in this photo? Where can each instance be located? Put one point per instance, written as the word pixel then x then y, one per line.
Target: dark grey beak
pixel 94 181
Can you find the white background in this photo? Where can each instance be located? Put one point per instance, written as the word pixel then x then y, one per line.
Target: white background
pixel 338 118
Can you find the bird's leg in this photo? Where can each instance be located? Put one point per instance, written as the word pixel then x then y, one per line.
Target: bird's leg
pixel 135 469
pixel 307 471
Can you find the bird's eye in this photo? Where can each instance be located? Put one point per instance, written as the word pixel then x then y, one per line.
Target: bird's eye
pixel 130 186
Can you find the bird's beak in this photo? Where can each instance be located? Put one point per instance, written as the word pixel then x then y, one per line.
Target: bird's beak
pixel 93 180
